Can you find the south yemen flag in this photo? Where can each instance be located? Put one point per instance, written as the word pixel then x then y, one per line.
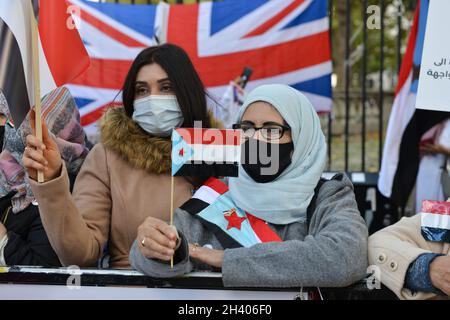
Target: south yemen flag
pixel 435 218
pixel 233 227
pixel 206 152
pixel 62 55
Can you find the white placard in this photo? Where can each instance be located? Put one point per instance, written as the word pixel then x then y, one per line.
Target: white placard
pixel 434 79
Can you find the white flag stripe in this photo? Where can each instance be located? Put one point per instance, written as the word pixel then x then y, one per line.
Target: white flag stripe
pixel 234 35
pixel 16 14
pixel 433 220
pixel 101 97
pixel 320 103
pixel 291 16
pixel 105 18
pixel 401 114
pixel 110 48
pixel 206 194
pixel 241 27
pixel 216 153
pixel 212 46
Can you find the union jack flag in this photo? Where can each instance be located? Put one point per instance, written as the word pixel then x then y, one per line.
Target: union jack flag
pixel 283 41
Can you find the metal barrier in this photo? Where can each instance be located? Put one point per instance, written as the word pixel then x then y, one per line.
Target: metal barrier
pixel 91 284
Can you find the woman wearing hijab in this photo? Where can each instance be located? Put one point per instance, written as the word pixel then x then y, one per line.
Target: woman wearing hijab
pixel 268 227
pixel 126 177
pixel 23 240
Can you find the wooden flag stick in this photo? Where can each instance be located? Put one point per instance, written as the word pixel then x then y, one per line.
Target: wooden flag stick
pixel 37 83
pixel 171 211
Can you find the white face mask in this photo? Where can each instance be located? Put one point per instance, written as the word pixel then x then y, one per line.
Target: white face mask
pixel 158 115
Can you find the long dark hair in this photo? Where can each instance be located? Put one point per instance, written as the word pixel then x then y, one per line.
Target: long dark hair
pixel 186 82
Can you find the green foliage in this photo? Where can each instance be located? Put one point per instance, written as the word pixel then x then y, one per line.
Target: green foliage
pixel 359 25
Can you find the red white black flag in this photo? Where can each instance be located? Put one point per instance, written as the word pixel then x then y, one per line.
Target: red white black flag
pixel 206 152
pixel 62 56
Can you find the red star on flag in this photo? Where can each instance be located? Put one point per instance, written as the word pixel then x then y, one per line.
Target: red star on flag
pixel 234 221
pixel 181 152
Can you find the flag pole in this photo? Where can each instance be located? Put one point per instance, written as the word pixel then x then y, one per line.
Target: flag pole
pixel 171 210
pixel 37 83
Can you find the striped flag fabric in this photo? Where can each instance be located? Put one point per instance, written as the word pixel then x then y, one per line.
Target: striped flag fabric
pixel 62 55
pixel 206 152
pixel 435 220
pixel 283 41
pixel 407 125
pixel 232 226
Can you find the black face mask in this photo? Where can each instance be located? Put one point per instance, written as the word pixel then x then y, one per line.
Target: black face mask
pixel 263 161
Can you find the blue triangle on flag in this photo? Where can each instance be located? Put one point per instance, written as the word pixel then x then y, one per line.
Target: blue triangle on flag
pixel 316 10
pixel 181 152
pixel 82 102
pixel 225 13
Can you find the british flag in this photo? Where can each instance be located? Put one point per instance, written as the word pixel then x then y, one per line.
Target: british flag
pixel 283 41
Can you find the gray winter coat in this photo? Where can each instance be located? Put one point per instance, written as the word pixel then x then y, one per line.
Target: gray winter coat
pixel 331 253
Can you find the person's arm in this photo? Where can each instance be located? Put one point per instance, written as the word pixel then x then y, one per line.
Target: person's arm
pixel 418 277
pixel 34 249
pixel 153 257
pixel 435 149
pixel 334 254
pixel 77 226
pixel 157 268
pixel 395 249
pixel 223 109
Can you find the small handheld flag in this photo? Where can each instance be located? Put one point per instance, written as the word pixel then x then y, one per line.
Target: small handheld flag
pixel 436 221
pixel 205 152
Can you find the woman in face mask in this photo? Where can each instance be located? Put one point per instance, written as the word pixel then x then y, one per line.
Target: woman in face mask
pixel 126 177
pixel 276 225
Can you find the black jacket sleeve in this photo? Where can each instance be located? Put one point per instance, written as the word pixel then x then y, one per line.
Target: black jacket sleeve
pixel 28 243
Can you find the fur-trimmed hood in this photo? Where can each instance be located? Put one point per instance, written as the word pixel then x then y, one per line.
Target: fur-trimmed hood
pixel 122 135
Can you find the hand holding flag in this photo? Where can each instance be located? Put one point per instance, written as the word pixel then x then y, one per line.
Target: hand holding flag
pixel 41 156
pixel 157 240
pixel 205 153
pixel 56 57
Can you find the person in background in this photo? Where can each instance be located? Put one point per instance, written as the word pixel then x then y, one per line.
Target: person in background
pixel 230 103
pixel 327 248
pixel 23 240
pixel 412 267
pixel 126 177
pixel 433 180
